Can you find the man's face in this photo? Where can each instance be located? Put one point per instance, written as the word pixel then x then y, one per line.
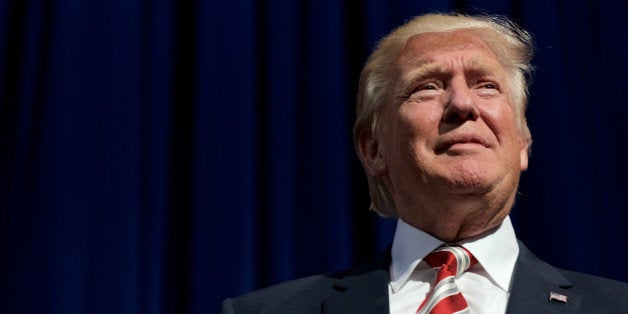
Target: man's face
pixel 448 125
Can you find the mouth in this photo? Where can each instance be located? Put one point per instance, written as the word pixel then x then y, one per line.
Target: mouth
pixel 460 143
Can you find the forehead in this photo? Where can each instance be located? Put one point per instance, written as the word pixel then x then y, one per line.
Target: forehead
pixel 462 47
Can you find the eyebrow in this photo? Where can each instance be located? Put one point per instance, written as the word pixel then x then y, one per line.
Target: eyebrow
pixel 424 71
pixel 481 68
pixel 474 65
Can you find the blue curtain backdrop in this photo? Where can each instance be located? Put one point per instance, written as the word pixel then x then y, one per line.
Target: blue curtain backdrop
pixel 159 156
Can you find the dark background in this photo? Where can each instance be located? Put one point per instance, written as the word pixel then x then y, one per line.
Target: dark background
pixel 159 156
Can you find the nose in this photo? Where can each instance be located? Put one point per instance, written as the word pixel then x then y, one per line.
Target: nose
pixel 460 106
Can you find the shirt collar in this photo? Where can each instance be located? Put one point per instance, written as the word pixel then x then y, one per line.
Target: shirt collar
pixel 496 251
pixel 410 246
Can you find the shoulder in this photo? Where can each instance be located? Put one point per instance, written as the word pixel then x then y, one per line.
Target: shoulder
pixel 598 289
pixel 305 290
pixel 590 281
pixel 535 279
pixel 363 289
pixel 599 295
pixel 585 282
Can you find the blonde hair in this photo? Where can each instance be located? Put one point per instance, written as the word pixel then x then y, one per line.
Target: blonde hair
pixel 512 45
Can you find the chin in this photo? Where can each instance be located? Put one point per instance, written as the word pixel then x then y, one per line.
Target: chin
pixel 472 187
pixel 473 180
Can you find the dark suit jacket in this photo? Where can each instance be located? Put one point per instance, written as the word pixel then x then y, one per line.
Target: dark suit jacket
pixel 365 290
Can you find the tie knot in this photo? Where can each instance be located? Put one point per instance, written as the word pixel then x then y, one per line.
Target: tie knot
pixel 453 259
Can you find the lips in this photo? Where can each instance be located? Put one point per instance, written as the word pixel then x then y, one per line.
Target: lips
pixel 450 142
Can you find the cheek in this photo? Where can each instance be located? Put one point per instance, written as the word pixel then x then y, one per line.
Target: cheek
pixel 420 120
pixel 509 137
pixel 500 118
pixel 417 132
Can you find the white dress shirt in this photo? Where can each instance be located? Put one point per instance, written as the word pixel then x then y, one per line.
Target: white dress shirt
pixel 485 286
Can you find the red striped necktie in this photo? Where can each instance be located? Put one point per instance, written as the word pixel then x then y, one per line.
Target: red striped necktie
pixel 445 297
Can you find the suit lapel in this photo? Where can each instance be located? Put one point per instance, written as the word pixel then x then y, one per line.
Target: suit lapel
pixel 364 290
pixel 532 283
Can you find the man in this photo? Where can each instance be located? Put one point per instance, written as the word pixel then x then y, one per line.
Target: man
pixel 442 136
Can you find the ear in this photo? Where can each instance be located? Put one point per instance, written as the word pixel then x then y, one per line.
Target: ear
pixel 370 154
pixel 524 153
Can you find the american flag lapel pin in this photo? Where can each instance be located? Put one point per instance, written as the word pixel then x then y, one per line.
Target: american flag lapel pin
pixel 553 296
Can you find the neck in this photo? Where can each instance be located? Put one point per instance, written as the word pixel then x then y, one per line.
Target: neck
pixel 458 217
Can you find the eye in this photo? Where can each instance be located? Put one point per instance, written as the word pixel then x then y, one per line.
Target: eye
pixel 487 85
pixel 487 89
pixel 425 91
pixel 428 86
